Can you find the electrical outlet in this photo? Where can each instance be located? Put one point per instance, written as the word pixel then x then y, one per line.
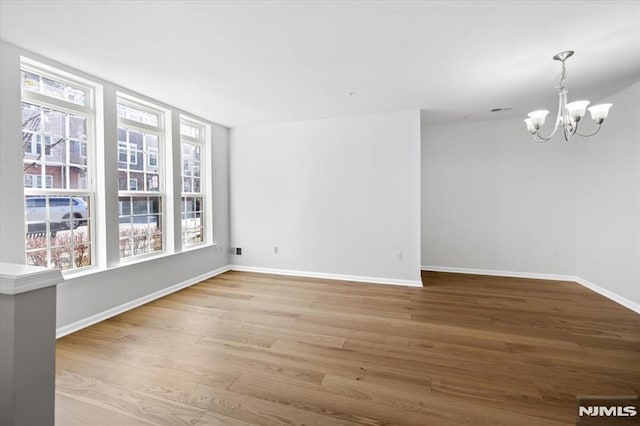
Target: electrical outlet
pixel 239 251
pixel 399 257
pixel 275 250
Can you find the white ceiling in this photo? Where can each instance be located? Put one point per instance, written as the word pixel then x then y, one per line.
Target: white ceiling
pixel 245 63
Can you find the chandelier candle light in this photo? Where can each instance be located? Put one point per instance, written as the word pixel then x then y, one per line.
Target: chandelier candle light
pixel 569 114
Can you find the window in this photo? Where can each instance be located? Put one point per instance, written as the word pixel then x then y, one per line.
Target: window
pixel 35 181
pixel 57 123
pixel 153 157
pixel 133 154
pixel 193 196
pixel 140 178
pixel 79 148
pixel 140 115
pixel 55 87
pixel 62 156
pixel 190 130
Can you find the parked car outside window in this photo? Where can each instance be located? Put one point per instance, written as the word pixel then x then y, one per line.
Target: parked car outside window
pixel 62 212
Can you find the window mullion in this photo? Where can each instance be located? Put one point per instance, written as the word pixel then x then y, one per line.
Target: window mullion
pixel 67 150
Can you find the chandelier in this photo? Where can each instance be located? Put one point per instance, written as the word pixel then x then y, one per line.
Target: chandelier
pixel 569 114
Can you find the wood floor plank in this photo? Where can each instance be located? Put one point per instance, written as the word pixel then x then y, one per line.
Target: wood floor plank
pixel 73 412
pixel 224 406
pixel 134 404
pixel 256 349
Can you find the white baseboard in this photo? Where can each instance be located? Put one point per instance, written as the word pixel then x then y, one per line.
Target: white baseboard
pixel 591 286
pixel 497 273
pixel 101 316
pixel 357 278
pixel 609 295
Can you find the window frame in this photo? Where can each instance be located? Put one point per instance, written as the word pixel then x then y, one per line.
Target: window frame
pixel 52 73
pixel 89 114
pixel 201 141
pixel 163 193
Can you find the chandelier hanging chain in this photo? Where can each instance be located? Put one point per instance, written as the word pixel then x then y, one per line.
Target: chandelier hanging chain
pixel 563 76
pixel 569 114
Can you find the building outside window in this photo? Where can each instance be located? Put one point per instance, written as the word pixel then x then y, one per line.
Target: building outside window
pixel 57 139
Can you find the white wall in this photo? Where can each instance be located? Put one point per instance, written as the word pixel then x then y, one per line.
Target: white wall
pixel 608 200
pixel 336 196
pixel 493 199
pixel 80 297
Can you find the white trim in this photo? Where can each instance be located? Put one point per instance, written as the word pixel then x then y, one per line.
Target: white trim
pixel 497 273
pixel 16 279
pixel 101 316
pixel 61 104
pixel 356 278
pixel 609 295
pixel 587 284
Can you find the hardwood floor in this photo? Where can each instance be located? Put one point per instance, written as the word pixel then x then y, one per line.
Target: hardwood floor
pixel 244 348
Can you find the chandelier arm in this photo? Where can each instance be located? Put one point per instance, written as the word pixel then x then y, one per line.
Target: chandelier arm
pixel 540 140
pixel 537 138
pixel 561 97
pixel 547 137
pixel 587 136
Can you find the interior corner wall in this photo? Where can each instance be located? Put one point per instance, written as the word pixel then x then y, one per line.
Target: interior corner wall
pixel 336 196
pixel 608 200
pixel 493 200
